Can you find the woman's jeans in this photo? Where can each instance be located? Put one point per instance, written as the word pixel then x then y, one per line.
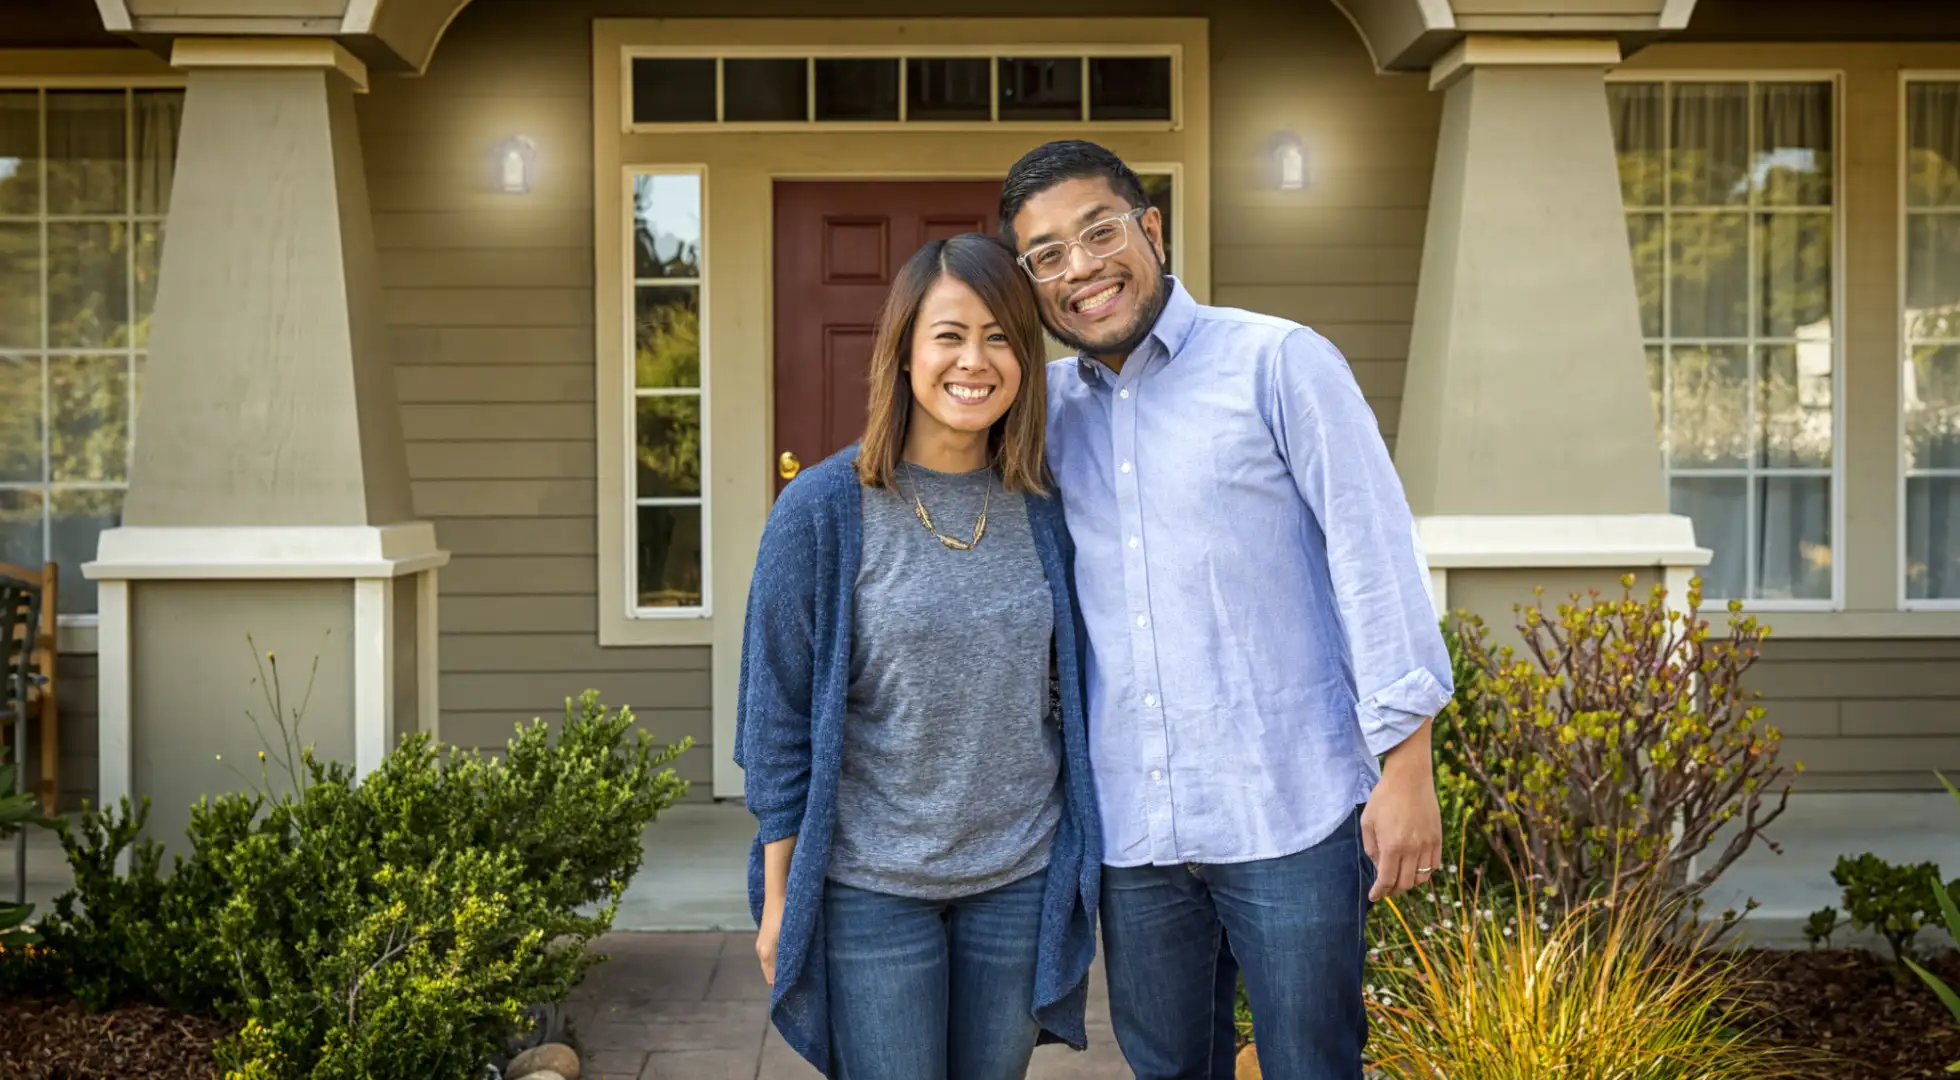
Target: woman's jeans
pixel 932 990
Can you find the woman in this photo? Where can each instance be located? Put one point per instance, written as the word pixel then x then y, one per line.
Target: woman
pixel 927 860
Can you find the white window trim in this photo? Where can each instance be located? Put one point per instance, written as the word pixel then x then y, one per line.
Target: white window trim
pixel 1906 79
pixel 618 500
pixel 901 53
pixel 76 634
pixel 1835 76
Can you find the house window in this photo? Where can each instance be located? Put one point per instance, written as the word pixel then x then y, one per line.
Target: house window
pixel 1730 197
pixel 85 181
pixel 1930 389
pixel 669 524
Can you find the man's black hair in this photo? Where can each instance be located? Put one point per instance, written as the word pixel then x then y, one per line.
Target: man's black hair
pixel 1055 162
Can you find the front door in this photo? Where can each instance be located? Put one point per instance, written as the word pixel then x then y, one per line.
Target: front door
pixel 838 247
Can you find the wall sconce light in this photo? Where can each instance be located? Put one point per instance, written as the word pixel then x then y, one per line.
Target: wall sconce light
pixel 1287 162
pixel 515 159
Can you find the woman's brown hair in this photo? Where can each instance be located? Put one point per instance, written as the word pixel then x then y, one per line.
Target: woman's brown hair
pixel 1014 444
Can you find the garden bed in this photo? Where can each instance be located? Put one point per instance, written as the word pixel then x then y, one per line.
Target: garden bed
pixel 47 1040
pixel 1875 1017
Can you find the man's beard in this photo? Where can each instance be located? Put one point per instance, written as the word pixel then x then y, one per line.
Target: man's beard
pixel 1132 336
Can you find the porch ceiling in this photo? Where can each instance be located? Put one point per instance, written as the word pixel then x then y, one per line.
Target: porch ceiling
pixel 387 35
pixel 1411 35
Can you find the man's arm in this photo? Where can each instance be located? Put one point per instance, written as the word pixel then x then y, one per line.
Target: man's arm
pixel 1333 446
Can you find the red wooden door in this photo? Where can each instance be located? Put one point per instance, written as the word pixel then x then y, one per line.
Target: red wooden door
pixel 838 247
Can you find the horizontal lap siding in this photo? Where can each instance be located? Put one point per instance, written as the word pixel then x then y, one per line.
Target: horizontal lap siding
pixel 80 755
pixel 1865 715
pixel 491 302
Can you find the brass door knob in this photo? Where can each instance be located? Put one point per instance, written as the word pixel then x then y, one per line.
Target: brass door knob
pixel 788 465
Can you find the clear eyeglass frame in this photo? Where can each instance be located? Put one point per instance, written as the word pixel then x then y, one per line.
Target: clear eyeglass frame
pixel 1098 246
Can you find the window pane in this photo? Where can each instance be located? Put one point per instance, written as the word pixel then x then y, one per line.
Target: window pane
pixel 669 91
pixel 1638 136
pixel 1793 273
pixel 1709 407
pixel 668 446
pixel 149 260
pixel 1708 290
pixel 1716 506
pixel 1793 406
pixel 88 401
pixel 1933 537
pixel 20 152
pixel 667 226
pixel 1794 560
pixel 88 285
pixel 1657 391
pixel 77 518
pixel 1933 144
pixel 765 90
pixel 1932 277
pixel 1647 237
pixel 1931 394
pixel 1793 144
pixel 1130 88
pixel 87 152
pixel 20 529
pixel 20 286
pixel 20 420
pixel 1041 89
pixel 158 118
pixel 1710 144
pixel 669 559
pixel 857 89
pixel 955 88
pixel 1158 188
pixel 667 337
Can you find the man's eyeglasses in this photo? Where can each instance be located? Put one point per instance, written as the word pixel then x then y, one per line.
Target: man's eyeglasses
pixel 1101 240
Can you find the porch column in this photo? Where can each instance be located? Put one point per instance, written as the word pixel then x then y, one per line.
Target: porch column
pixel 269 495
pixel 1527 439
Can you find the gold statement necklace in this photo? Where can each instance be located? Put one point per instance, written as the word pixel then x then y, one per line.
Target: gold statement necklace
pixel 954 542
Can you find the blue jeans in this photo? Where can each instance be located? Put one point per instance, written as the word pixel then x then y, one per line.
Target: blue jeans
pixel 932 990
pixel 1296 927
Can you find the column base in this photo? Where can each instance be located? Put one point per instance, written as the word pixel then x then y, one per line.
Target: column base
pixel 174 675
pixel 1483 557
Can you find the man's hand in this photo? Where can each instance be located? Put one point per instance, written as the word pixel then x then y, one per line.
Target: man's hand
pixel 1402 825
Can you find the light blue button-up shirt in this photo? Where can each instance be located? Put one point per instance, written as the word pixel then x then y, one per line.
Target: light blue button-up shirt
pixel 1259 617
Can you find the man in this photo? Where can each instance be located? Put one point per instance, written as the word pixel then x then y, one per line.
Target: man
pixel 1265 658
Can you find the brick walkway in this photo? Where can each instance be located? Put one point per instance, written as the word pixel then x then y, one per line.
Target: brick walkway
pixel 694 1007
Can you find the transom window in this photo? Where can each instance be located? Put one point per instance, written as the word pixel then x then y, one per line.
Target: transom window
pixel 669 523
pixel 945 87
pixel 1930 388
pixel 84 186
pixel 1730 195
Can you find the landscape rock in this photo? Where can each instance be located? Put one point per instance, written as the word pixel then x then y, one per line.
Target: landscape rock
pixel 555 1058
pixel 1248 1067
pixel 545 1074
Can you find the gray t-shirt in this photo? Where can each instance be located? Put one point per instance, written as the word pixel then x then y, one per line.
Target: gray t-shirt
pixel 952 759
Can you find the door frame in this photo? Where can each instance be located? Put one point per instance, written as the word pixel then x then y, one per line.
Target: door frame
pixel 739 174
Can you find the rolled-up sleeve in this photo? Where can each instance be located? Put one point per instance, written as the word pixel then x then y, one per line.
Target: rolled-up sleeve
pixel 1334 449
pixel 772 717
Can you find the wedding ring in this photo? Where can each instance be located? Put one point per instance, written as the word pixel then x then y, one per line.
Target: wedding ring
pixel 1425 869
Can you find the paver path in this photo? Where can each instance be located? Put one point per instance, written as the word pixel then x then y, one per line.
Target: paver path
pixel 694 1007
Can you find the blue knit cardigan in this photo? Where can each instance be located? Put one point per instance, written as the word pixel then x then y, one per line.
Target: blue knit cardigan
pixel 796 669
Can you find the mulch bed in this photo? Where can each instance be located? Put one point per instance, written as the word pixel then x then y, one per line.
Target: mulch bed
pixel 1876 1018
pixel 43 1040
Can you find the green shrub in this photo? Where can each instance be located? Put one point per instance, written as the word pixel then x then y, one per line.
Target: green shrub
pixel 1950 915
pixel 1465 802
pixel 1896 901
pixel 1620 742
pixel 17 815
pixel 398 926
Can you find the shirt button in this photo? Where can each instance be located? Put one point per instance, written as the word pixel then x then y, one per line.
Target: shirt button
pixel 1143 620
pixel 1134 541
pixel 1150 700
pixel 1156 775
pixel 1126 466
pixel 1122 393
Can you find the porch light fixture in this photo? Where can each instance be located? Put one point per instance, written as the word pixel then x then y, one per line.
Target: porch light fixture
pixel 1287 162
pixel 514 160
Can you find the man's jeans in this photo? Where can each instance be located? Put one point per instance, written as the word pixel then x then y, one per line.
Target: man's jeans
pixel 924 990
pixel 1296 928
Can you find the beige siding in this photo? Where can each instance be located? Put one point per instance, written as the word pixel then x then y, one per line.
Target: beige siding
pixel 1871 714
pixel 75 683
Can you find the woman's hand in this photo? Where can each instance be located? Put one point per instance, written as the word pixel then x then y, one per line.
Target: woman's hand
pixel 766 937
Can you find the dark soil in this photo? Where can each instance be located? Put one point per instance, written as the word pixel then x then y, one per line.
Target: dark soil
pixel 1875 1017
pixel 44 1040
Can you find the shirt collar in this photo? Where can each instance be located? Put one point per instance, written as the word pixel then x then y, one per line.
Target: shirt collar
pixel 1172 328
